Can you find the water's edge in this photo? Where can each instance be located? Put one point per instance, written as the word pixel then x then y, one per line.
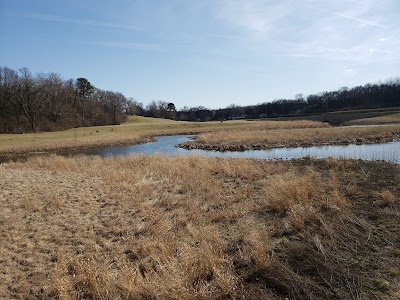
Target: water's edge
pixel 167 145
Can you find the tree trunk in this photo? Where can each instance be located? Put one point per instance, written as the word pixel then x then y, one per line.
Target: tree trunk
pixel 31 118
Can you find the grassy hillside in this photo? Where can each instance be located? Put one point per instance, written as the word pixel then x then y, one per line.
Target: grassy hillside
pixel 341 117
pixel 381 120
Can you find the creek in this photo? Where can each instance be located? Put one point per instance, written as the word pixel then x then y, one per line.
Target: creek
pixel 166 145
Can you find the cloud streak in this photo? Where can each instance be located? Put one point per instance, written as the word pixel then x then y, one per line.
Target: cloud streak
pixel 362 21
pixel 312 29
pixel 147 47
pixel 55 18
pixel 128 45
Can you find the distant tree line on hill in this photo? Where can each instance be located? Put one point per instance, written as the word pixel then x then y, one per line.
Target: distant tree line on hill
pixel 379 95
pixel 46 102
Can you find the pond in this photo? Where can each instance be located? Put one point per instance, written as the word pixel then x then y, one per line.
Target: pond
pixel 166 145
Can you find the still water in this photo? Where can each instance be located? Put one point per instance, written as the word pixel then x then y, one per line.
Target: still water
pixel 166 145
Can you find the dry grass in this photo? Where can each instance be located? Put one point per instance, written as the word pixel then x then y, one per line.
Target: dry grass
pixel 292 124
pixel 304 196
pixel 260 138
pixel 192 228
pixel 387 119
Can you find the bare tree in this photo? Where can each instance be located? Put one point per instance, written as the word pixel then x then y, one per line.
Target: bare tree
pixel 47 102
pixel 133 107
pixel 27 97
pixel 9 109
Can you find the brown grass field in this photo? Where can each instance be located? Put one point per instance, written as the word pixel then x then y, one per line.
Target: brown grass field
pixel 196 228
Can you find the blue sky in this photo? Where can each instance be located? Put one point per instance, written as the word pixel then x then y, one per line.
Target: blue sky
pixel 211 52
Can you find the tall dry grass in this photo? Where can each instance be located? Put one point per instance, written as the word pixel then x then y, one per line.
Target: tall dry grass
pixel 173 228
pixel 304 196
pixel 290 124
pixel 266 138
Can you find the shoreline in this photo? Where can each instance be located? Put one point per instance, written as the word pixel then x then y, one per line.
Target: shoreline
pixel 240 147
pixel 21 154
pixel 194 145
pixel 219 141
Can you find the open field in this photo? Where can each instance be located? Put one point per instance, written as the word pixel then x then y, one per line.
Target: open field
pixel 136 130
pixel 196 228
pixel 387 119
pixel 264 138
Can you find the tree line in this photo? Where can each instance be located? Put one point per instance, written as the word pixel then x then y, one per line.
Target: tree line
pixel 369 96
pixel 46 102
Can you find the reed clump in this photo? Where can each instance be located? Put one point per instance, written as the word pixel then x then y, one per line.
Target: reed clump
pixel 304 196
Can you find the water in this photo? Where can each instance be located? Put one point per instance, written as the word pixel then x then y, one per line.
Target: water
pixel 166 145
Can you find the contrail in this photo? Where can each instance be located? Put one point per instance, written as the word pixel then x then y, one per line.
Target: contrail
pixel 352 18
pixel 359 20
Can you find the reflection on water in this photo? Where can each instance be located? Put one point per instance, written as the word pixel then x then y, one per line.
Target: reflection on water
pixel 166 145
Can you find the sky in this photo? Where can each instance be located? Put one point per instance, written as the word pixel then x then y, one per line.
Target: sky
pixel 212 53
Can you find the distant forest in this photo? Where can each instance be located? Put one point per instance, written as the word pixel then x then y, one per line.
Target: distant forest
pixel 370 96
pixel 46 102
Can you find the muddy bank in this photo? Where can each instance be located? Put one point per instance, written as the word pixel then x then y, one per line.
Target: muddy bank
pixel 245 146
pixel 23 154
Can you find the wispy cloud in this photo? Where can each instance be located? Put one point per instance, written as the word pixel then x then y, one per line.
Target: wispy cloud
pixel 127 45
pixel 317 29
pixel 362 21
pixel 254 16
pixel 147 47
pixel 55 18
